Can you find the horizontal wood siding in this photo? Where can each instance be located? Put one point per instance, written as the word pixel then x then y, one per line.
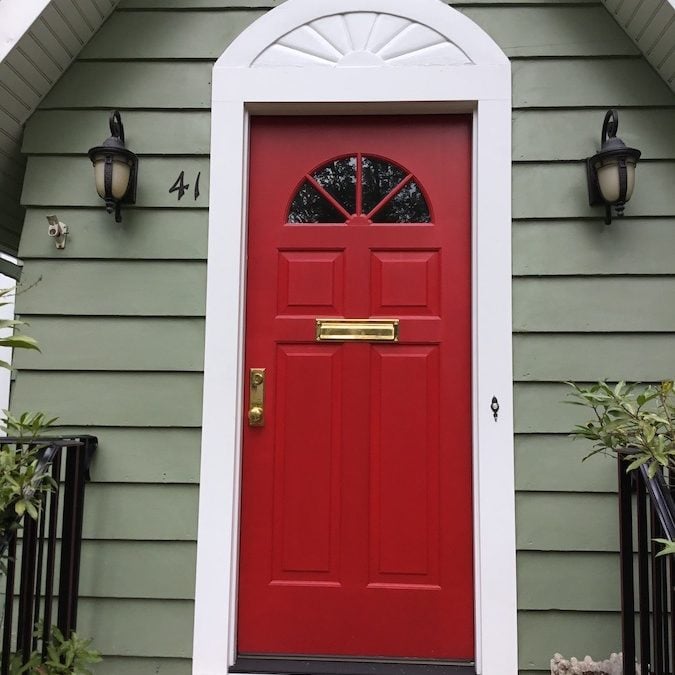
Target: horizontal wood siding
pixel 120 311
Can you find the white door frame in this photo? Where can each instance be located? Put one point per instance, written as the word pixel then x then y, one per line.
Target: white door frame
pixel 327 56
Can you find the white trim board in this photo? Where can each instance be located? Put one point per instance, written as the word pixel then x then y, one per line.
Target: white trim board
pixel 356 57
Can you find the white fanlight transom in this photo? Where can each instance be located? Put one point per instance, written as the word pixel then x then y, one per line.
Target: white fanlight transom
pixel 362 39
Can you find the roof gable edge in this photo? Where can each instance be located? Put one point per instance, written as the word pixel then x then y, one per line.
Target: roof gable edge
pixel 650 24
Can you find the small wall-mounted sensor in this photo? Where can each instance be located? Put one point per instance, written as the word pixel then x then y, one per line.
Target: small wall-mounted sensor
pixel 57 230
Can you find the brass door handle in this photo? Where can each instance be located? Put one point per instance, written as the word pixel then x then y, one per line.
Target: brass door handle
pixel 256 397
pixel 255 416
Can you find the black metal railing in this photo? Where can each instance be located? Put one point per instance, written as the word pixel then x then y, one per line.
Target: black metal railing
pixel 33 548
pixel 647 617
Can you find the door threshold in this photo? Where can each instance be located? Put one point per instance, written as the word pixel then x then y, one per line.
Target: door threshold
pixel 348 666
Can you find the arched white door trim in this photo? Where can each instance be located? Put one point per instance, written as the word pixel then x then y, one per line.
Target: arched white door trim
pixel 360 57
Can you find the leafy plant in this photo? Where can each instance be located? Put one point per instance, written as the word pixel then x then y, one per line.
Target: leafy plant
pixel 70 656
pixel 22 485
pixel 633 420
pixel 14 340
pixel 638 421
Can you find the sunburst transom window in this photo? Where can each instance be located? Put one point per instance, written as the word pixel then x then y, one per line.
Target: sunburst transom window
pixel 359 189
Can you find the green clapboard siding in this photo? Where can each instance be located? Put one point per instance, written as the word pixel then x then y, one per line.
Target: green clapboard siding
pixel 580 82
pixel 144 455
pixel 554 463
pixel 113 399
pixel 114 343
pixel 164 132
pixel 146 85
pixel 552 357
pixel 197 4
pixel 139 666
pixel 201 35
pixel 542 634
pixel 560 521
pixel 568 134
pixel 552 31
pixel 150 628
pixel 134 569
pixel 541 408
pixel 116 288
pixel 590 581
pixel 141 512
pixel 196 35
pixel 120 312
pixel 559 191
pixel 597 304
pixel 581 247
pixel 157 234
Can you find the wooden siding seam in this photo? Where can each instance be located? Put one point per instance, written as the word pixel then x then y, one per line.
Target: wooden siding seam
pixel 83 16
pixel 650 20
pixel 68 23
pixel 17 98
pixel 35 66
pixel 43 48
pixel 102 12
pixel 20 77
pixel 57 37
pixel 659 37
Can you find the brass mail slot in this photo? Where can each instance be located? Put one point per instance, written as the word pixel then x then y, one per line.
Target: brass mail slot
pixel 365 330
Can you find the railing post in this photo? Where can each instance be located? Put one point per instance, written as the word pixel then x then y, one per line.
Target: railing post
pixel 626 561
pixel 24 640
pixel 8 616
pixel 77 471
pixel 52 535
pixel 643 577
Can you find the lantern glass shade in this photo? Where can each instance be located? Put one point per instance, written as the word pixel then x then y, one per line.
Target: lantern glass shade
pixel 121 173
pixel 609 179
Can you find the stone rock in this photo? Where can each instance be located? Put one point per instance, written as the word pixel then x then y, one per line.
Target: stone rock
pixel 612 666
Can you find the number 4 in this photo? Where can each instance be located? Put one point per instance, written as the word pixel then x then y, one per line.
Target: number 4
pixel 181 187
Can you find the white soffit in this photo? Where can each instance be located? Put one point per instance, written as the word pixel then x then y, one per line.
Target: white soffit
pixel 38 41
pixel 651 26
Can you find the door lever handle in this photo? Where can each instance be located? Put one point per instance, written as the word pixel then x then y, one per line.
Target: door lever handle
pixel 256 397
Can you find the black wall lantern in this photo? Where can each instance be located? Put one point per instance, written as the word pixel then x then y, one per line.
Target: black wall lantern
pixel 115 169
pixel 611 173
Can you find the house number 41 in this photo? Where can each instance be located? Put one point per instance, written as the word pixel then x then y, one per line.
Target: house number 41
pixel 181 187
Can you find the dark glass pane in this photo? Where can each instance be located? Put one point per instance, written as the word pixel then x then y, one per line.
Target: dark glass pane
pixel 311 207
pixel 338 178
pixel 379 179
pixel 407 206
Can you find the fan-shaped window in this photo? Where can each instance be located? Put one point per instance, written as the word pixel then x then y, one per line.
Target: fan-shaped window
pixel 359 187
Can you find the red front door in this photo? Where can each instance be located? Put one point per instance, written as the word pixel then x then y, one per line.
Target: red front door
pixel 356 524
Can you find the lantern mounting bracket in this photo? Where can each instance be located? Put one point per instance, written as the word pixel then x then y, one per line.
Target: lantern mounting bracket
pixel 57 230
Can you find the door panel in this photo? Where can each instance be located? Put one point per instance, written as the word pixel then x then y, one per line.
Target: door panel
pixel 307 464
pixel 356 522
pixel 404 506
